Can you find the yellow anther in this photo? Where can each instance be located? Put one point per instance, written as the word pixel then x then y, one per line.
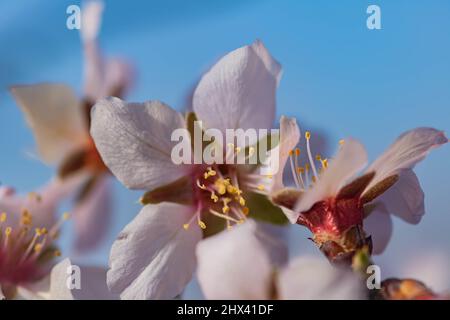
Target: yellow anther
pixel 225 209
pixel 341 142
pixel 231 189
pixel 211 172
pixel 325 163
pixel 237 149
pixel 318 157
pixel 241 201
pixel 26 218
pixel 44 231
pixel 251 151
pixel 202 225
pixel 220 186
pixel 245 210
pixel 307 135
pixel 313 178
pixel 186 226
pixel 35 196
pixel 300 170
pixel 241 221
pixel 214 197
pixel 270 176
pixel 57 253
pixel 38 247
pixel 297 152
pixel 291 152
pixel 8 231
pixel 3 217
pixel 307 167
pixel 260 187
pixel 66 215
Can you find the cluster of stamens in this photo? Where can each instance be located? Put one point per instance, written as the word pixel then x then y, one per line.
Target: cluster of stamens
pixel 308 174
pixel 219 194
pixel 24 250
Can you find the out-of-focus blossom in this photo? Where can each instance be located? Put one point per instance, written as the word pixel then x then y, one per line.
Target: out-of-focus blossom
pixel 55 285
pixel 60 122
pixel 27 236
pixel 153 256
pixel 334 208
pixel 428 265
pixel 249 263
pixel 408 289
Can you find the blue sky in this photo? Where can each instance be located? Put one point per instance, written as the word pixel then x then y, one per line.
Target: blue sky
pixel 339 78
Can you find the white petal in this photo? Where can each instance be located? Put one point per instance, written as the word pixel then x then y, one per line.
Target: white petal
pixel 379 225
pixel 92 216
pixel 239 90
pixel 405 198
pixel 134 140
pixel 350 159
pixel 42 204
pixel 289 137
pixel 55 115
pixel 94 68
pixel 154 257
pixel 410 148
pixel 239 264
pixel 311 278
pixel 59 276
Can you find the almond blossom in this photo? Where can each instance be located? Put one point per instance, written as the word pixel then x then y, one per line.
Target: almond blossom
pixel 345 213
pixel 153 256
pixel 28 251
pixel 60 122
pixel 250 263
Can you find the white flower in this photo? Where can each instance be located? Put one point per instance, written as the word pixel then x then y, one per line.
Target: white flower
pixel 60 122
pixel 250 263
pixel 154 255
pixel 332 203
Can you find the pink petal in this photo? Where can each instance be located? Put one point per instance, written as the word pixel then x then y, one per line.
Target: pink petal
pixel 409 149
pixel 379 225
pixel 92 216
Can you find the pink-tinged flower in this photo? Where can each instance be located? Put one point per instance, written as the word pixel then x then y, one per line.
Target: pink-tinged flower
pixel 333 204
pixel 60 122
pixel 27 234
pixel 153 256
pixel 250 263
